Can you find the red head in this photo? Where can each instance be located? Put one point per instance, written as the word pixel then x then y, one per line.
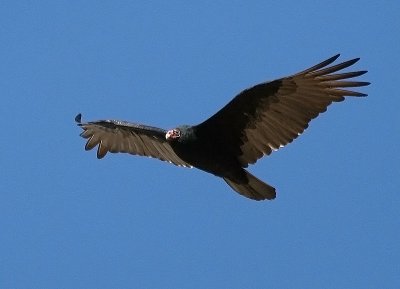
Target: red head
pixel 173 134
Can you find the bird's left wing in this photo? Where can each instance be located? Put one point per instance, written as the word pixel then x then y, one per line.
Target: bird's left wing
pixel 269 115
pixel 116 136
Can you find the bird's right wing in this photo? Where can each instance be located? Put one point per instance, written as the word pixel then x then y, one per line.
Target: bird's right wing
pixel 116 136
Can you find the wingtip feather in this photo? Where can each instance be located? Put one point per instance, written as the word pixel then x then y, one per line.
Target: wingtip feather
pixel 78 118
pixel 335 57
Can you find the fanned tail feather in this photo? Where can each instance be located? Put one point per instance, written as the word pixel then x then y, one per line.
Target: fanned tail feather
pixel 253 188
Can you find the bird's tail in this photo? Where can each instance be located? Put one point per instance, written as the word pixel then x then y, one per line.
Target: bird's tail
pixel 253 188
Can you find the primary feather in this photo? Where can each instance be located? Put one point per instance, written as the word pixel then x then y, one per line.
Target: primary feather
pixel 256 122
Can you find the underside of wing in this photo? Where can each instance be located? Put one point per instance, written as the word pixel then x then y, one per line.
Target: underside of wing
pixel 123 137
pixel 270 115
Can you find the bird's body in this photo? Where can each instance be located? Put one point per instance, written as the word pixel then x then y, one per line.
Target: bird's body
pixel 256 122
pixel 198 152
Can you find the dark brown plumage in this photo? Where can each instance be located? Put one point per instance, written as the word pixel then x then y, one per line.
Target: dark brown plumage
pixel 256 122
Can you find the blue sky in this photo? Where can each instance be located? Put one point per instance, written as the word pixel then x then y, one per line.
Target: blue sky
pixel 68 220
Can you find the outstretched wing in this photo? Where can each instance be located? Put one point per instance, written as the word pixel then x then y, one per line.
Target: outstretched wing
pixel 116 136
pixel 270 115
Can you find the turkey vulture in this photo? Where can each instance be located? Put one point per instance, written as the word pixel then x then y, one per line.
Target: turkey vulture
pixel 259 120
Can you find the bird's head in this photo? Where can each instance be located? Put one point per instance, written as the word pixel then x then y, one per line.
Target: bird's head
pixel 173 134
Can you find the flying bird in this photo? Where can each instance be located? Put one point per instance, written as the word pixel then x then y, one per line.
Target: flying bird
pixel 258 121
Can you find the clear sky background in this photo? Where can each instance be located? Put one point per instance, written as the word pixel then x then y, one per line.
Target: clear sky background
pixel 68 220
